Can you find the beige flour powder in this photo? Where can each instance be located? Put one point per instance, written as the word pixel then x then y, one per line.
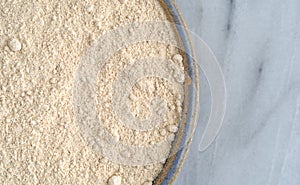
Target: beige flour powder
pixel 41 44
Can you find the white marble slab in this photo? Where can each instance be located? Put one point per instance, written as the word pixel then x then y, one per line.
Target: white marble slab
pixel 257 44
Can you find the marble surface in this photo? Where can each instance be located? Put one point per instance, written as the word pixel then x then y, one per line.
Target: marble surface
pixel 257 44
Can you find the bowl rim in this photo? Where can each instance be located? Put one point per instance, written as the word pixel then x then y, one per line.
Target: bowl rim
pixel 181 145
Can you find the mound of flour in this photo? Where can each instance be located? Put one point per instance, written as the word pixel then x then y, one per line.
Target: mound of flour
pixel 41 45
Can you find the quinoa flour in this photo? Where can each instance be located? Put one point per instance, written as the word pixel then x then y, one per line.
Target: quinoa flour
pixel 41 45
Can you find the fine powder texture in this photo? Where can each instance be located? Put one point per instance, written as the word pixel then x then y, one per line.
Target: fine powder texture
pixel 41 45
